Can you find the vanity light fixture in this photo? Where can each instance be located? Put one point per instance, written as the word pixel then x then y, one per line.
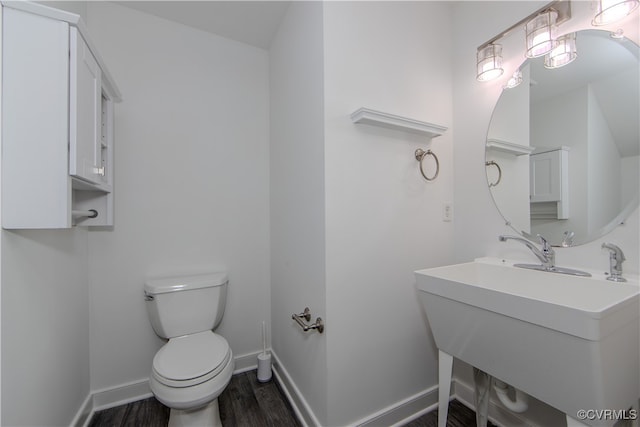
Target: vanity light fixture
pixel 609 11
pixel 564 53
pixel 541 34
pixel 540 28
pixel 489 62
pixel 515 80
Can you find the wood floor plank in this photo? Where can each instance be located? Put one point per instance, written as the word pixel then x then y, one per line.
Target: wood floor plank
pixel 278 411
pixel 109 417
pixel 244 403
pixel 148 412
pixel 227 415
pixel 459 416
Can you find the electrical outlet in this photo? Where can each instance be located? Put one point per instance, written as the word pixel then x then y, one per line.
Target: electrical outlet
pixel 447 211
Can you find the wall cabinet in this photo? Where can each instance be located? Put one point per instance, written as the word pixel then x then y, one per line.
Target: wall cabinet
pixel 549 184
pixel 57 122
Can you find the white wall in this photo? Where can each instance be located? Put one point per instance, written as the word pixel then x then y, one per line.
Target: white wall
pixel 353 194
pixel 605 198
pixel 191 170
pixel 383 220
pixel 45 326
pixel 298 201
pixel 630 179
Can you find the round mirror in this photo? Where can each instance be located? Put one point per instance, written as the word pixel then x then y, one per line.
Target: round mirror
pixel 563 147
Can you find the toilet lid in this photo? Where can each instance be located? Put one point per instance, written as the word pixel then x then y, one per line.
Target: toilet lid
pixel 191 356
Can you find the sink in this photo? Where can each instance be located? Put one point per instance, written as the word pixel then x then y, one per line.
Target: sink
pixel 569 341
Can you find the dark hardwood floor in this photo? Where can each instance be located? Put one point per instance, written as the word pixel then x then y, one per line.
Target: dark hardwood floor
pixel 249 403
pixel 459 416
pixel 245 402
pixel 143 413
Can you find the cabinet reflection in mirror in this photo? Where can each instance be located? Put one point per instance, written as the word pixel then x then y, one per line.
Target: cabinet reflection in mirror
pixel 567 143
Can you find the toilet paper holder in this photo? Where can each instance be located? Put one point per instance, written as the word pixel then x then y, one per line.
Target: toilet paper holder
pixel 306 315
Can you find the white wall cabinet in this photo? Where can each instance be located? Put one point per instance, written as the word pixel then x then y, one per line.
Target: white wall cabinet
pixel 549 184
pixel 57 122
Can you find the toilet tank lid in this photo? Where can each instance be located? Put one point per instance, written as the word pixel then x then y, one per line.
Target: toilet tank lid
pixel 183 283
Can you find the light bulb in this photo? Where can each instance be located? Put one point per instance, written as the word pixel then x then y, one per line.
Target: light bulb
pixel 489 63
pixel 609 11
pixel 540 34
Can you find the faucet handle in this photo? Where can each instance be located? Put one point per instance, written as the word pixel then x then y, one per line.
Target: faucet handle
pixel 614 251
pixel 616 257
pixel 546 247
pixel 567 239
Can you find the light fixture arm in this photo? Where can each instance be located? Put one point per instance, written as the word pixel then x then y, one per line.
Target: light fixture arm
pixel 562 7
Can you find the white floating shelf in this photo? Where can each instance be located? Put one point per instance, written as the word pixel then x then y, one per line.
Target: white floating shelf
pixel 509 147
pixel 391 121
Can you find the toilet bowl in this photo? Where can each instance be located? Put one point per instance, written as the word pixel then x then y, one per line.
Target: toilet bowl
pixel 189 373
pixel 194 367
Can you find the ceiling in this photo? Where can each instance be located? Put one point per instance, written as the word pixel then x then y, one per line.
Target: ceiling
pixel 251 22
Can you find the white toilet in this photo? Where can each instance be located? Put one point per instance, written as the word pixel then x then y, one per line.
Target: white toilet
pixel 195 365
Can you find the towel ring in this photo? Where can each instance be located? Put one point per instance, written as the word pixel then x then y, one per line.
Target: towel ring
pixel 492 163
pixel 420 155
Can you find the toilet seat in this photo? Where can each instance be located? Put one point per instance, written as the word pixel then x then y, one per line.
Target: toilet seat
pixel 190 360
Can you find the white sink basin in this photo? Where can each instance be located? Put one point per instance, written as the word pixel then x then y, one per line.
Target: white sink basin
pixel 572 342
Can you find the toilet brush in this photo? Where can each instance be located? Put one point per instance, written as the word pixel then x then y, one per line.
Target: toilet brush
pixel 264 359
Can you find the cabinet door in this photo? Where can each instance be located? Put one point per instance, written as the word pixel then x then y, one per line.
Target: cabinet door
pixel 35 107
pixel 545 182
pixel 85 155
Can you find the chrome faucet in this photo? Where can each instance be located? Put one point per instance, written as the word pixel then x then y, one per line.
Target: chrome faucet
pixel 567 239
pixel 616 258
pixel 547 255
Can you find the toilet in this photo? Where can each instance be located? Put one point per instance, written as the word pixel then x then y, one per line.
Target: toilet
pixel 192 369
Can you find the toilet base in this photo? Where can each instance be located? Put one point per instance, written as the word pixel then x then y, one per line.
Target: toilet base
pixel 208 415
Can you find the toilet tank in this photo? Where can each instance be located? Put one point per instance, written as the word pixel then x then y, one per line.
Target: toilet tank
pixel 186 304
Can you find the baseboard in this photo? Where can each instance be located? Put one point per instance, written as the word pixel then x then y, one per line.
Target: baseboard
pixel 110 397
pixel 424 402
pixel 121 395
pixel 404 411
pixel 246 362
pixel 300 406
pixel 397 414
pixel 83 416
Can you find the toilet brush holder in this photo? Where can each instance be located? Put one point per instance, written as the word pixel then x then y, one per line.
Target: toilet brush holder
pixel 264 367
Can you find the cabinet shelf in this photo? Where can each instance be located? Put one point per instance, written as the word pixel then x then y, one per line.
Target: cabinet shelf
pixel 391 121
pixel 509 147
